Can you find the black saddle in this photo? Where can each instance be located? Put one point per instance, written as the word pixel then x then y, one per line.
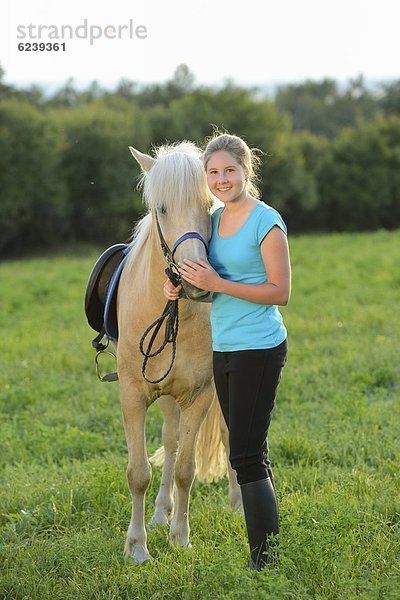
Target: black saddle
pixel 101 291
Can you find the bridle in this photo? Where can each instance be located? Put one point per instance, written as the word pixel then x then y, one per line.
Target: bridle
pixel 172 269
pixel 170 312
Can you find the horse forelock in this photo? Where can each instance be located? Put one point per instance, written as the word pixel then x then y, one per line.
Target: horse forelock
pixel 177 180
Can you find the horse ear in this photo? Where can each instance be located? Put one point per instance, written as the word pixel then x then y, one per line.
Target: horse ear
pixel 144 160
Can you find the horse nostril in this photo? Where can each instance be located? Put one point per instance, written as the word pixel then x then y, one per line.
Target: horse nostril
pixel 194 293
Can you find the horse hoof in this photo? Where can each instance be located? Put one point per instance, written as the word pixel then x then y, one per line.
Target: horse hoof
pixel 158 520
pixel 180 543
pixel 137 554
pixel 138 559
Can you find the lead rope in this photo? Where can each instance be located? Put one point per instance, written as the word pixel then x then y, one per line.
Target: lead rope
pixel 170 315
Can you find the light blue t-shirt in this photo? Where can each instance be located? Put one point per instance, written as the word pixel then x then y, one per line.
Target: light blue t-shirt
pixel 239 324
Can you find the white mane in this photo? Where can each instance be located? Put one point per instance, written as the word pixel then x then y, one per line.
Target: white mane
pixel 139 236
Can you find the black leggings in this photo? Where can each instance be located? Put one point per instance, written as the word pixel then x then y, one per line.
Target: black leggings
pixel 246 382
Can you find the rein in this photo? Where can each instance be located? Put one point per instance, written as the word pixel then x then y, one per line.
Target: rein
pixel 170 313
pixel 171 318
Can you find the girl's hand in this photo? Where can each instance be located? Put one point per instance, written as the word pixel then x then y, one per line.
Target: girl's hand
pixel 170 291
pixel 200 274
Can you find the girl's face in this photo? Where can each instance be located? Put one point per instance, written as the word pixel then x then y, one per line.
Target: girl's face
pixel 226 178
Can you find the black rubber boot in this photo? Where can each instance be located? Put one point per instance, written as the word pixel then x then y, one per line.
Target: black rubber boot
pixel 262 521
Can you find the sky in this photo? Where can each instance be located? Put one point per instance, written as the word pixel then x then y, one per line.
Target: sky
pixel 254 43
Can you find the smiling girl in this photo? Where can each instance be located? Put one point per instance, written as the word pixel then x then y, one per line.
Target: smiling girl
pixel 249 273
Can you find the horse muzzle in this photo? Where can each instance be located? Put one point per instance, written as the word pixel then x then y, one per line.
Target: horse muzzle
pixel 196 294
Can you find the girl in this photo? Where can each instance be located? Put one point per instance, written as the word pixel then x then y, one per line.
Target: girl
pixel 249 273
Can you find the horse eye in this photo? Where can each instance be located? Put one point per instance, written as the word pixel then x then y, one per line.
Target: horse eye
pixel 163 210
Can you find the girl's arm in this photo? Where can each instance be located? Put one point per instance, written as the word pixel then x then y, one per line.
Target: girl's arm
pixel 275 254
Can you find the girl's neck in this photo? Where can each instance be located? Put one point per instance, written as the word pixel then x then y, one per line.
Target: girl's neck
pixel 242 205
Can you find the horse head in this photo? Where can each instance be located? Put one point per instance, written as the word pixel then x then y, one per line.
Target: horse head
pixel 175 191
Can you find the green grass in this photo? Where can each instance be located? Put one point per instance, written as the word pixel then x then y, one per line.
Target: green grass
pixel 334 440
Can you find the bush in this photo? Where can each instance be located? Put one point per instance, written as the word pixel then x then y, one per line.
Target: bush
pixel 360 179
pixel 34 203
pixel 99 171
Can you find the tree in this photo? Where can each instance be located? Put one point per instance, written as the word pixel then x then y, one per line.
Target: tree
pixel 66 96
pixel 33 205
pixel 360 179
pixel 99 171
pixel 390 100
pixel 322 109
pixel 180 85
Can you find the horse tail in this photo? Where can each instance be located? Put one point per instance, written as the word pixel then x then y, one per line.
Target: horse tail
pixel 157 459
pixel 210 451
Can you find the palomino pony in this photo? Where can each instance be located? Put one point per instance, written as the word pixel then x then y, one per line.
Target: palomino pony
pixel 177 196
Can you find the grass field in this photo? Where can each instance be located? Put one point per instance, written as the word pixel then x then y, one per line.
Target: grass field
pixel 335 444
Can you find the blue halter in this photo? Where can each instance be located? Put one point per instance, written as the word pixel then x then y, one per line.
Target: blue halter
pixel 187 236
pixel 172 269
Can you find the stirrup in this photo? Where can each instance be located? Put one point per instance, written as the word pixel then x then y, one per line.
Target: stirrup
pixel 102 349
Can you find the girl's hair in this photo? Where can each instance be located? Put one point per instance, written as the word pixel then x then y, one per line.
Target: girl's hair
pixel 248 158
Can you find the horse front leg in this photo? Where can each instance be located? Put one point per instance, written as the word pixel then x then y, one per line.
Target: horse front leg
pixel 189 425
pixel 170 434
pixel 138 472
